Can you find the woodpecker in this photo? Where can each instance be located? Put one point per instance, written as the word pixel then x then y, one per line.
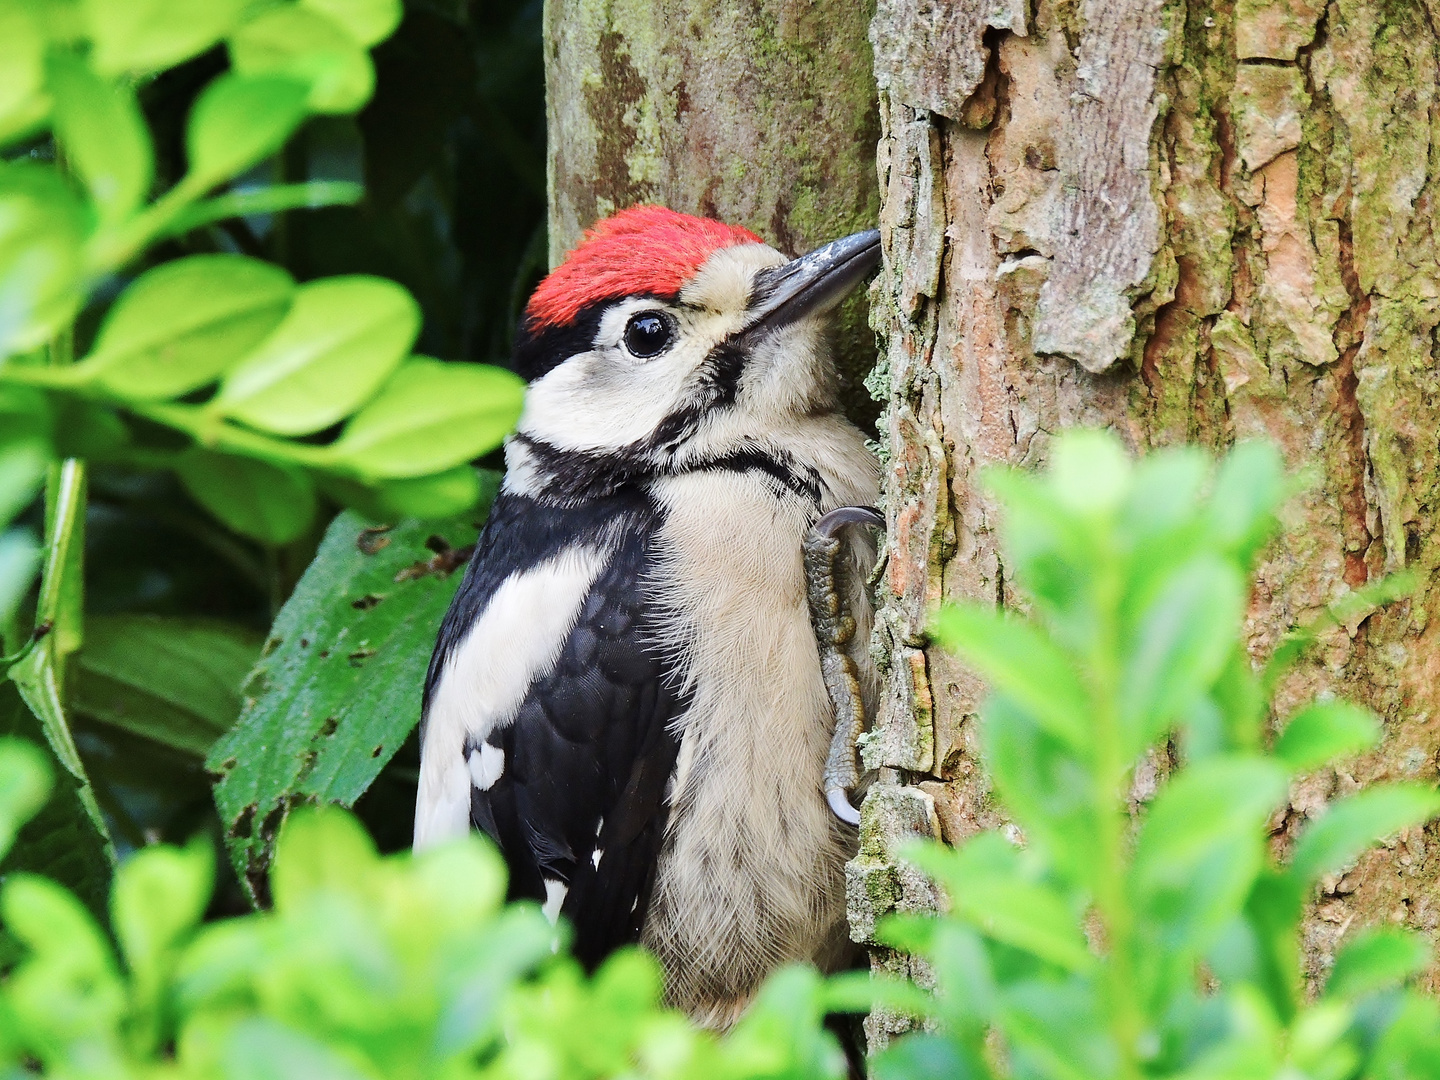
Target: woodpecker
pixel 626 693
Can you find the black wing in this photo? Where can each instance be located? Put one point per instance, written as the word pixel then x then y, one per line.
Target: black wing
pixel 587 758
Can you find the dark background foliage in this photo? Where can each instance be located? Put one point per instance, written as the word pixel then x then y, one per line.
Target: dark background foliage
pixel 451 150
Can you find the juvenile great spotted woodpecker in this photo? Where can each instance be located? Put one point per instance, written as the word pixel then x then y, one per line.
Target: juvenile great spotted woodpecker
pixel 626 693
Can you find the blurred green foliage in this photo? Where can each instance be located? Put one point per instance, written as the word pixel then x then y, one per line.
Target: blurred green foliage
pixel 198 378
pixel 1163 940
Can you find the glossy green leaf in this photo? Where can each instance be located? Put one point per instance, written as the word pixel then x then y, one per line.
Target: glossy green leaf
pixel 24 102
pixel 300 43
pixel 238 121
pixel 25 782
pixel 176 681
pixel 1352 824
pixel 453 492
pixel 273 199
pixel 341 340
pixel 1324 731
pixel 1016 657
pixel 367 21
pixel 273 503
pixel 1179 644
pixel 42 228
pixel 103 136
pixel 147 35
pixel 430 417
pixel 338 688
pixel 1377 958
pixel 185 323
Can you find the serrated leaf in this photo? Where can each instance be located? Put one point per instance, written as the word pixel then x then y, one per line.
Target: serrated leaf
pixel 176 681
pixel 302 44
pixel 271 502
pixel 42 228
pixel 1351 825
pixel 1018 658
pixel 368 21
pixel 184 324
pixel 1324 731
pixel 238 121
pixel 341 340
pixel 103 136
pixel 1377 958
pixel 338 689
pixel 430 417
pixel 147 35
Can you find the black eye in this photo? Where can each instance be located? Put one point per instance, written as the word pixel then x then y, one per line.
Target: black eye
pixel 649 333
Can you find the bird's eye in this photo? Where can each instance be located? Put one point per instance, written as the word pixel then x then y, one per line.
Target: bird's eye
pixel 649 333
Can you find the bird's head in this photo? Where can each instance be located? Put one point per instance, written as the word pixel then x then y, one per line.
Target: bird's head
pixel 666 340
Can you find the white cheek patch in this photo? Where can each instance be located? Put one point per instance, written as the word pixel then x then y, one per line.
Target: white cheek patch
pixel 516 640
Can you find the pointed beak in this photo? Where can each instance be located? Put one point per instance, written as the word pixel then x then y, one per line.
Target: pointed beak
pixel 813 283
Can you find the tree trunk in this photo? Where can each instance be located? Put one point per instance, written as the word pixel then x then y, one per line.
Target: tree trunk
pixel 1094 214
pixel 761 114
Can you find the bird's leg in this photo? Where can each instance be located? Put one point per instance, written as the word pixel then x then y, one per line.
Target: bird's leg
pixel 834 627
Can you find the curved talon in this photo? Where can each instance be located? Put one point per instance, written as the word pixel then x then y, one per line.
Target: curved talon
pixel 831 523
pixel 839 801
pixel 833 629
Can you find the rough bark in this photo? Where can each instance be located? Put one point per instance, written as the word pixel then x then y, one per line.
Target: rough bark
pixel 1204 222
pixel 760 113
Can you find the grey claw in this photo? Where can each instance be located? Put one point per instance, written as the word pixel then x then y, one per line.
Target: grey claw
pixel 840 803
pixel 836 519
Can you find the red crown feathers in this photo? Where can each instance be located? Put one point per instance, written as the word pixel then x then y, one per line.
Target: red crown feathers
pixel 645 249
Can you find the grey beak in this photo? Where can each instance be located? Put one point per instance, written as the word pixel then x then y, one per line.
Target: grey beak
pixel 812 283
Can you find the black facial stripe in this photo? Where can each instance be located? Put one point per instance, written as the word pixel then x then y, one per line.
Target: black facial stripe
pixel 574 477
pixel 541 349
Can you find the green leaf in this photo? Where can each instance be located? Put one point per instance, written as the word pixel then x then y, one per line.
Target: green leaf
pixel 271 502
pixel 1324 731
pixel 42 228
pixel 338 689
pixel 1090 472
pixel 1018 658
pixel 238 121
pixel 430 417
pixel 19 559
pixel 176 681
pixel 25 782
pixel 447 494
pixel 301 44
pixel 245 202
pixel 147 35
pixel 367 21
pixel 159 898
pixel 319 848
pixel 23 101
pixel 1248 488
pixel 67 987
pixel 1179 643
pixel 61 841
pixel 22 468
pixel 103 136
pixel 184 324
pixel 1375 959
pixel 341 340
pixel 1025 915
pixel 1201 846
pixel 1351 825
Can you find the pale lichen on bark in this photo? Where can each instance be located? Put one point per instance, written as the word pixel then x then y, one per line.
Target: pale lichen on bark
pixel 1276 277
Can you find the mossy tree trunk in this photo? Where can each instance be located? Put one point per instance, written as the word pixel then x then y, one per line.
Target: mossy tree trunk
pixel 1199 223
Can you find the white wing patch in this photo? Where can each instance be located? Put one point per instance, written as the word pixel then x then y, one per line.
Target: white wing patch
pixel 487 764
pixel 515 641
pixel 555 893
